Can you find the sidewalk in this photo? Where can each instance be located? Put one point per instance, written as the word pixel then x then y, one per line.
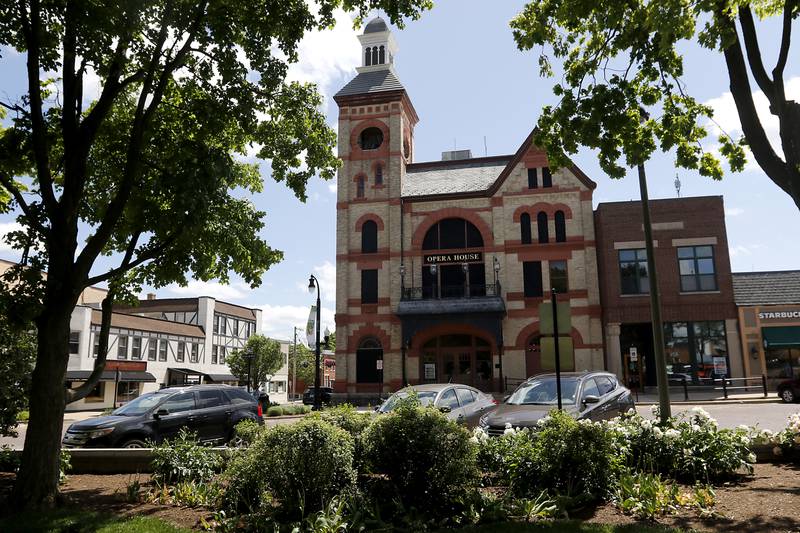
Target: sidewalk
pixel 696 397
pixel 76 416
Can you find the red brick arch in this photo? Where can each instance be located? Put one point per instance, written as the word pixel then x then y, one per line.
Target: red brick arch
pixel 537 208
pixel 420 338
pixel 383 151
pixel 452 212
pixel 355 338
pixel 533 329
pixel 369 216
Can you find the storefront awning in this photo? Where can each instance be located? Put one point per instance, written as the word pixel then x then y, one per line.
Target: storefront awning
pixel 780 337
pixel 217 378
pixel 111 375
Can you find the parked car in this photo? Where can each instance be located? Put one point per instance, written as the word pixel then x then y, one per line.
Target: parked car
pixel 789 390
pixel 461 403
pixel 584 395
pixel 211 411
pixel 325 394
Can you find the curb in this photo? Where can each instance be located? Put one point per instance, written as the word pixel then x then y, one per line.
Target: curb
pixel 730 401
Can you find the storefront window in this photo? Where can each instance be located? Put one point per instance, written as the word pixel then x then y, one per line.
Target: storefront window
pixel 711 349
pixel 782 363
pixel 696 351
pixel 127 391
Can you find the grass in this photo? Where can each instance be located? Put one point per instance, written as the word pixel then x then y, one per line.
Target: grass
pixel 76 521
pixel 23 416
pixel 567 526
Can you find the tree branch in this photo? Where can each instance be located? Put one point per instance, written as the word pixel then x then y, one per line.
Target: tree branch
pixel 107 307
pixel 150 254
pixel 783 54
pixel 753 51
pixel 8 184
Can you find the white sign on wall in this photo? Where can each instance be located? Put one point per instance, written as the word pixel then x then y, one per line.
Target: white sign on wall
pixel 633 354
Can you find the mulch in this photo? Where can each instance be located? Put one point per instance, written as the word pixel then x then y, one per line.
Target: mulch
pixel 767 501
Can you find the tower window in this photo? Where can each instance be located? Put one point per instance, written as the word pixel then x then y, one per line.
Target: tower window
pixel 561 227
pixel 379 174
pixel 381 55
pixel 374 55
pixel 547 178
pixel 360 187
pixel 370 139
pixel 541 225
pixel 369 237
pixel 368 57
pixel 525 228
pixel 533 179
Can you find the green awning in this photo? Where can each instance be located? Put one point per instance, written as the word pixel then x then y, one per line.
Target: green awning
pixel 781 336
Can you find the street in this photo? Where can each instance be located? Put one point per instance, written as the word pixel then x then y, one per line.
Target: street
pixel 764 415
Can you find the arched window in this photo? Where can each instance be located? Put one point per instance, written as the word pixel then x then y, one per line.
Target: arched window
pixel 459 278
pixel 367 57
pixel 374 55
pixel 368 354
pixel 370 139
pixel 381 55
pixel 525 228
pixel 452 233
pixel 369 237
pixel 541 225
pixel 379 174
pixel 360 187
pixel 561 227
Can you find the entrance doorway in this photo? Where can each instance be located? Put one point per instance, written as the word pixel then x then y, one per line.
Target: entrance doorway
pixel 464 359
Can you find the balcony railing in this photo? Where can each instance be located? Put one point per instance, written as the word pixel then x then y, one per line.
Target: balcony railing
pixel 436 292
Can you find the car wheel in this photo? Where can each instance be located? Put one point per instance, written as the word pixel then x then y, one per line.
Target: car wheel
pixel 787 395
pixel 134 443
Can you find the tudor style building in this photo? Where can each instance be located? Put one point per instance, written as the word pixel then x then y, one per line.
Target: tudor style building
pixel 441 266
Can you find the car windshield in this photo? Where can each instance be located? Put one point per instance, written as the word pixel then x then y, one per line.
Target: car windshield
pixel 425 398
pixel 140 405
pixel 543 392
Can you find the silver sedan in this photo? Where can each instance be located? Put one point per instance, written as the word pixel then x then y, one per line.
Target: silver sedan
pixel 461 403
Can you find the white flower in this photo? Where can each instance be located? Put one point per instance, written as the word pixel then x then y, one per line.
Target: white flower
pixel 743 427
pixel 646 424
pixel 657 432
pixel 508 425
pixel 687 452
pixel 672 433
pixel 654 409
pixel 508 431
pixel 631 411
pixel 751 458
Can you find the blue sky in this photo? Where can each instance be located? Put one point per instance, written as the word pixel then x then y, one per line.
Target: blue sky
pixel 468 81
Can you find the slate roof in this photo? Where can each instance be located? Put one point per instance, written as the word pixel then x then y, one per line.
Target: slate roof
pixel 447 177
pixel 375 81
pixel 766 288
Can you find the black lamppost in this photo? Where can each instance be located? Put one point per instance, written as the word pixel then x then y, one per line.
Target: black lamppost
pixel 313 283
pixel 248 354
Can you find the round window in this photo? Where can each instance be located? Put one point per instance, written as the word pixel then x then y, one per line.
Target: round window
pixel 370 139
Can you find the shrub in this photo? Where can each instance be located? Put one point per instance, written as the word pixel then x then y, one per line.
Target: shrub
pixel 302 465
pixel 687 447
pixel 787 441
pixel 246 432
pixel 275 411
pixel 645 495
pixel 349 419
pixel 429 459
pixel 9 460
pixel 183 459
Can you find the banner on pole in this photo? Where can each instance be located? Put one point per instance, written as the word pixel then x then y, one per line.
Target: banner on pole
pixel 566 353
pixel 546 318
pixel 311 336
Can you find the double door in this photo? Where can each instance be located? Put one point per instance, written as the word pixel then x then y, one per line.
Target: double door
pixel 468 365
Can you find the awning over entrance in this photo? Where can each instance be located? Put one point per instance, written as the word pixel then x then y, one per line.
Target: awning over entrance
pixel 482 312
pixel 110 375
pixel 217 378
pixel 779 337
pixel 189 376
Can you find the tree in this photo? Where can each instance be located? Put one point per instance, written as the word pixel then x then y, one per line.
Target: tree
pixel 302 363
pixel 17 353
pixel 152 170
pixel 267 359
pixel 622 57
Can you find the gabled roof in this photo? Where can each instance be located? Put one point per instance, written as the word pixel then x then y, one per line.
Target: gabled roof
pixel 374 81
pixel 469 177
pixel 766 288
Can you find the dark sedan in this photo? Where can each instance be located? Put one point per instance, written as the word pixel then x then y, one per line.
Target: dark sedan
pixel 325 394
pixel 789 390
pixel 585 395
pixel 461 403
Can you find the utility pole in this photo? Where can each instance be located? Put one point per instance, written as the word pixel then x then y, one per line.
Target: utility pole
pixel 655 304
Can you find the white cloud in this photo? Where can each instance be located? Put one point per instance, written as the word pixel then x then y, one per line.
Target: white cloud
pixel 740 250
pixel 278 321
pixel 215 289
pixel 5 229
pixel 733 211
pixel 327 55
pixel 333 186
pixel 726 118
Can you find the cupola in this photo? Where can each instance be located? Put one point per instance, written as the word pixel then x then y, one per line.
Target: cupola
pixel 378 46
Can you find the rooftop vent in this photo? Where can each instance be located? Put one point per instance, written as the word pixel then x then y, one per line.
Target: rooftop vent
pixel 455 155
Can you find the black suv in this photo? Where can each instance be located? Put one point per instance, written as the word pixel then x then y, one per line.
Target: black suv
pixel 211 411
pixel 324 395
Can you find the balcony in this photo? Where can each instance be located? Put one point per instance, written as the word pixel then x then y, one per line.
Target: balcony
pixel 452 300
pixel 449 292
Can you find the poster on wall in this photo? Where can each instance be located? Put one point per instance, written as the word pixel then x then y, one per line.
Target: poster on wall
pixel 430 370
pixel 720 366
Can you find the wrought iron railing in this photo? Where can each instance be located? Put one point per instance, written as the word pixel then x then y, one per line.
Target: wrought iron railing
pixel 440 292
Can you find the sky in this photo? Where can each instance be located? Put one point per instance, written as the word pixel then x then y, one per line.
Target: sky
pixel 468 82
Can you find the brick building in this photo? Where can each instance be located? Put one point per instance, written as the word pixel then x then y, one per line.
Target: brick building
pixel 441 265
pixel 691 254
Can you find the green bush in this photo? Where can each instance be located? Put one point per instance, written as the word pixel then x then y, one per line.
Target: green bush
pixel 301 465
pixel 573 459
pixel 429 459
pixel 275 411
pixel 183 459
pixel 687 447
pixel 246 432
pixel 349 419
pixel 23 416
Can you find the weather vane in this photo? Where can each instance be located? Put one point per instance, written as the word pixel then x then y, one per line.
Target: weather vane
pixel 677 185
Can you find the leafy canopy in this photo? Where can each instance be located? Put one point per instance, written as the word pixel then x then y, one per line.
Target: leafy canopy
pixel 621 91
pixel 267 359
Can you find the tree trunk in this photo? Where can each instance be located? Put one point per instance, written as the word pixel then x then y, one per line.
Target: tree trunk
pixel 37 480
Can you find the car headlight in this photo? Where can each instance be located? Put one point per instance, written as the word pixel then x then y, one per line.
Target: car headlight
pixel 97 433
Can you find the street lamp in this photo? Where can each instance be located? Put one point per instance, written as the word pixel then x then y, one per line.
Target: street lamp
pixel 248 354
pixel 313 283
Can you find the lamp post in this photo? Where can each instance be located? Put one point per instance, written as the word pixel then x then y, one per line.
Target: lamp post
pixel 313 283
pixel 248 354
